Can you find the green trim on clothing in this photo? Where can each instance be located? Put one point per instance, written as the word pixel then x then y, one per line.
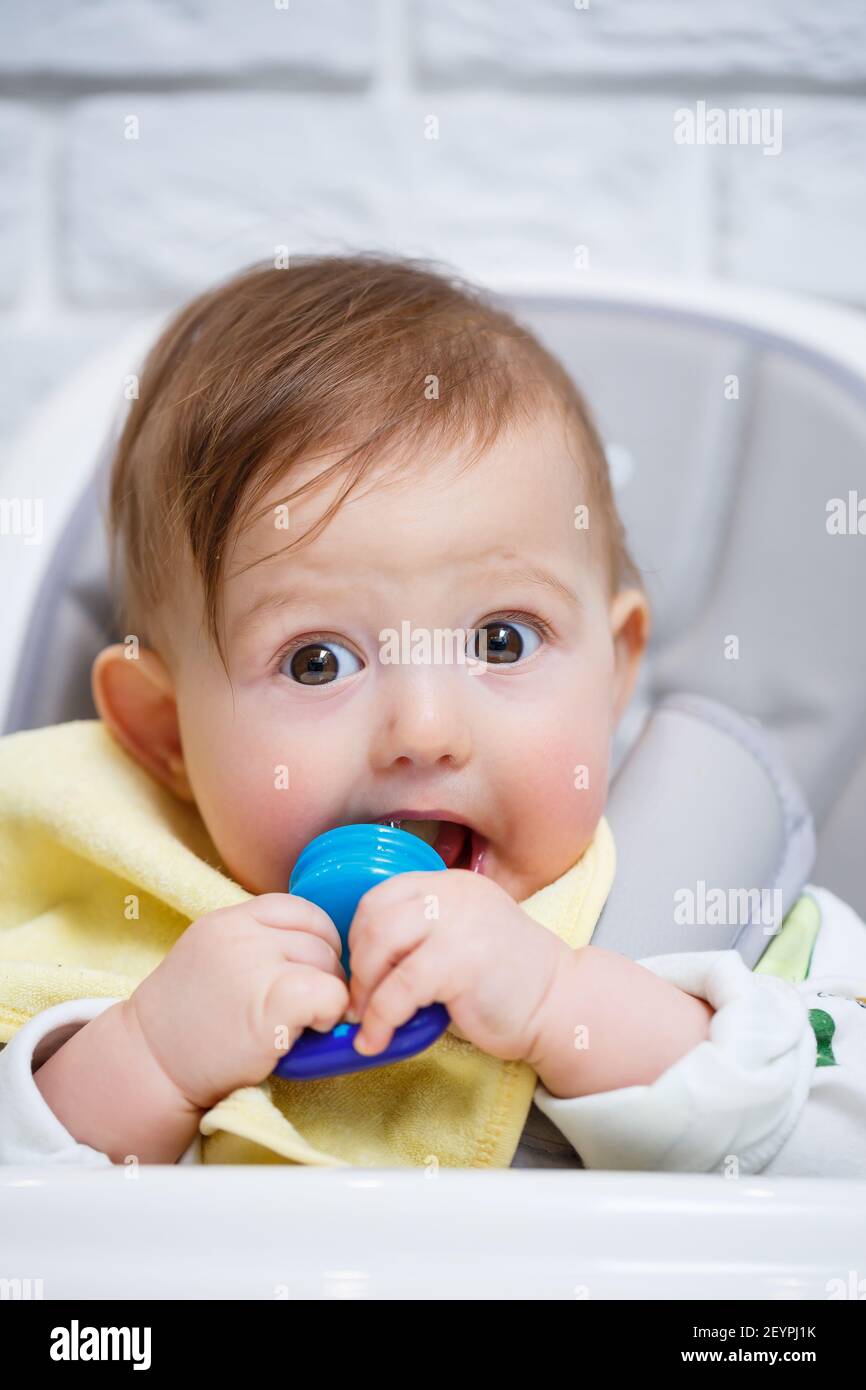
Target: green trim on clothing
pixel 789 954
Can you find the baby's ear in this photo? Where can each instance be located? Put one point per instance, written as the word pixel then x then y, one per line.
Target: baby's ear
pixel 630 628
pixel 134 693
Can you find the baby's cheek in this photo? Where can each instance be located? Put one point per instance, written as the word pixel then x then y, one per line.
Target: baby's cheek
pixel 568 784
pixel 564 777
pixel 254 804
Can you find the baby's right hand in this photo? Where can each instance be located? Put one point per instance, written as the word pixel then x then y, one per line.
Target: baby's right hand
pixel 236 990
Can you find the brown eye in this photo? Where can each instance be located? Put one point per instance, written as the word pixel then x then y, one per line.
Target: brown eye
pixel 503 642
pixel 316 664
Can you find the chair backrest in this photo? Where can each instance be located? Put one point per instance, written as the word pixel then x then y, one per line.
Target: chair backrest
pixel 739 426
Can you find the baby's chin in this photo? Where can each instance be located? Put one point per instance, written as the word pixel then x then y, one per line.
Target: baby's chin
pixel 522 881
pixel 520 884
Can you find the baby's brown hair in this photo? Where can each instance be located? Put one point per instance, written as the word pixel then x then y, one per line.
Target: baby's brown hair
pixel 357 352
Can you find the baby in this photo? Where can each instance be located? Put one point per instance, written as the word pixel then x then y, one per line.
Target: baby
pixel 320 457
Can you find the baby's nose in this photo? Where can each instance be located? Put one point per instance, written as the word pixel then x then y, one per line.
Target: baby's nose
pixel 424 727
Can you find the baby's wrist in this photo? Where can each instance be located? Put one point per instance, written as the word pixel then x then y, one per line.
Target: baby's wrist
pixel 610 1022
pixel 556 1056
pixel 153 1076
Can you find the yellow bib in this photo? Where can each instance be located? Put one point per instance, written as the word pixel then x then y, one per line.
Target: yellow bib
pixel 102 869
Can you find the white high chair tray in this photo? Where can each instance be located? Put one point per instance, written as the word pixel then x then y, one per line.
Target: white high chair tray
pixel 164 1232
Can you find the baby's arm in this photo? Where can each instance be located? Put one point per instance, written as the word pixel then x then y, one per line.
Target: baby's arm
pixel 31 1132
pixel 109 1091
pixel 610 1023
pixel 753 1097
pixel 236 989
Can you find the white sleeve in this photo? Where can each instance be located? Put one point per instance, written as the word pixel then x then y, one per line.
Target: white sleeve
pixel 30 1132
pixel 737 1094
pixel 830 1135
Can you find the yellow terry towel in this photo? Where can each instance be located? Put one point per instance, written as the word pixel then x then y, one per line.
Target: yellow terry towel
pixel 101 870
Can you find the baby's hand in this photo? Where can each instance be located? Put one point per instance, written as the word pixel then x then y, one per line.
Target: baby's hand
pixel 458 939
pixel 236 990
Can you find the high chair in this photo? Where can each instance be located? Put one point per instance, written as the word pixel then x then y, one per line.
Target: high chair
pixel 735 425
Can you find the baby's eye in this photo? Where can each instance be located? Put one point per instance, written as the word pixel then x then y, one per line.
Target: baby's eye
pixel 504 642
pixel 317 663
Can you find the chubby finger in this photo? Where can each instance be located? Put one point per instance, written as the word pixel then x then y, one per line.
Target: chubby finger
pixel 416 883
pixel 418 980
pixel 304 998
pixel 289 912
pixel 379 938
pixel 306 948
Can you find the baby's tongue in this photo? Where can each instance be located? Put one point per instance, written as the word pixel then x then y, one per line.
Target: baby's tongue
pixel 449 842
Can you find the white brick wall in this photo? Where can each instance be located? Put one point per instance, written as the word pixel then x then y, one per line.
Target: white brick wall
pixel 788 40
pixel 320 40
pixel 307 123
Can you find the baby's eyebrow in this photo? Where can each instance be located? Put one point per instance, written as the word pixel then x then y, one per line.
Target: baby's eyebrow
pixel 512 567
pixel 271 602
pixel 536 574
pixel 297 595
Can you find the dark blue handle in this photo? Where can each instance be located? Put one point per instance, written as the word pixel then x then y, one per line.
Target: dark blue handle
pixel 315 1055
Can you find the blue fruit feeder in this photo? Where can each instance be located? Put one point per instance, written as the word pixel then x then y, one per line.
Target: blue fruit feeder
pixel 334 871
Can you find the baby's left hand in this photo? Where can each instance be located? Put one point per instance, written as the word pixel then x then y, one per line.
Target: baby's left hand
pixel 458 939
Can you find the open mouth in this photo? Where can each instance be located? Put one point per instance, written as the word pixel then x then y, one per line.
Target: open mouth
pixel 459 846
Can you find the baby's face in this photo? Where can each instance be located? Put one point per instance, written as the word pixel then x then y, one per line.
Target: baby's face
pixel 517 749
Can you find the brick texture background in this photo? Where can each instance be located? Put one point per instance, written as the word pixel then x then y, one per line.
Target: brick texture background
pixel 306 124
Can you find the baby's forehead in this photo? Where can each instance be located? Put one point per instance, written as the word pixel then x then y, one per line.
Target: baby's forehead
pixel 523 488
pixel 510 512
